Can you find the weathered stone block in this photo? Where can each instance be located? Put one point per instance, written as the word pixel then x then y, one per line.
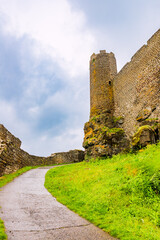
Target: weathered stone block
pixel 143 136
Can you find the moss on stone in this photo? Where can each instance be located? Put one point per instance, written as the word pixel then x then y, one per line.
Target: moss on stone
pixel 89 142
pixel 103 137
pixel 137 135
pixel 116 119
pixel 112 130
pixel 153 122
pixel 144 114
pixel 151 119
pixel 95 118
pixel 94 111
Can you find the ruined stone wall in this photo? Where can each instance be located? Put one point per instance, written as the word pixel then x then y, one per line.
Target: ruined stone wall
pixel 125 107
pixel 12 157
pixel 137 87
pixel 102 71
pixel 7 137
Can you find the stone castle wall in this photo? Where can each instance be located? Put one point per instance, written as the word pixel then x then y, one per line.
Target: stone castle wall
pixel 12 157
pixel 137 86
pixel 125 107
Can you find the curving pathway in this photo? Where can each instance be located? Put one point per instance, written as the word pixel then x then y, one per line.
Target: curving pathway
pixel 31 213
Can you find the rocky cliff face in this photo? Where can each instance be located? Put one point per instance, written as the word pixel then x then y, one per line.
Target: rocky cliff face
pixel 104 136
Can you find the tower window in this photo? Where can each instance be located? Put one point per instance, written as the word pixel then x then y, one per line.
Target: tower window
pixel 109 83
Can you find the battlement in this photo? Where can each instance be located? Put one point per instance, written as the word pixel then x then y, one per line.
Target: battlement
pixel 101 52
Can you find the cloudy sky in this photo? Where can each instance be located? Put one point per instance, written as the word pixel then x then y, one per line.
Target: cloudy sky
pixel 45 46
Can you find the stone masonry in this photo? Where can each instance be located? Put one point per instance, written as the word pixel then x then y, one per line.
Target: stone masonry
pixel 137 87
pixel 124 106
pixel 102 71
pixel 12 157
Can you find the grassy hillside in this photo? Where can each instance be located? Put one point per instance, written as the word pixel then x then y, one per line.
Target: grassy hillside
pixel 120 195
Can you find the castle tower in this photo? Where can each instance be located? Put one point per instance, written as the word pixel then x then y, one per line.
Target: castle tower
pixel 102 71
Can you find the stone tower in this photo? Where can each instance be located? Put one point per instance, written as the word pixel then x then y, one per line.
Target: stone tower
pixel 102 71
pixel 103 135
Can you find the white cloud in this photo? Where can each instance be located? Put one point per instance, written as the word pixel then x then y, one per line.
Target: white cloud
pixel 39 144
pixel 58 30
pixel 11 121
pixel 53 34
pixel 52 144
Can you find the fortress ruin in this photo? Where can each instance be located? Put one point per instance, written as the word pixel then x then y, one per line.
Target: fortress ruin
pixel 124 106
pixel 124 111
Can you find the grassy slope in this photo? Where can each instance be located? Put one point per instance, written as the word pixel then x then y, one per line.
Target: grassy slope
pixel 3 181
pixel 120 195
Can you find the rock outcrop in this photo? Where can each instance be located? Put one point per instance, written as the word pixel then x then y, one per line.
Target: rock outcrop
pixel 104 136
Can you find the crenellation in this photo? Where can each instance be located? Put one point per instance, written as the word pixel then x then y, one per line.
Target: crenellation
pixel 102 51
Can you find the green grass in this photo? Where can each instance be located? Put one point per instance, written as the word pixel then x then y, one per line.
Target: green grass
pixel 3 235
pixel 121 195
pixel 3 181
pixel 9 177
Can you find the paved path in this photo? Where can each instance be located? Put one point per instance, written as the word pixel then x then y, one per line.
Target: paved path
pixel 31 213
